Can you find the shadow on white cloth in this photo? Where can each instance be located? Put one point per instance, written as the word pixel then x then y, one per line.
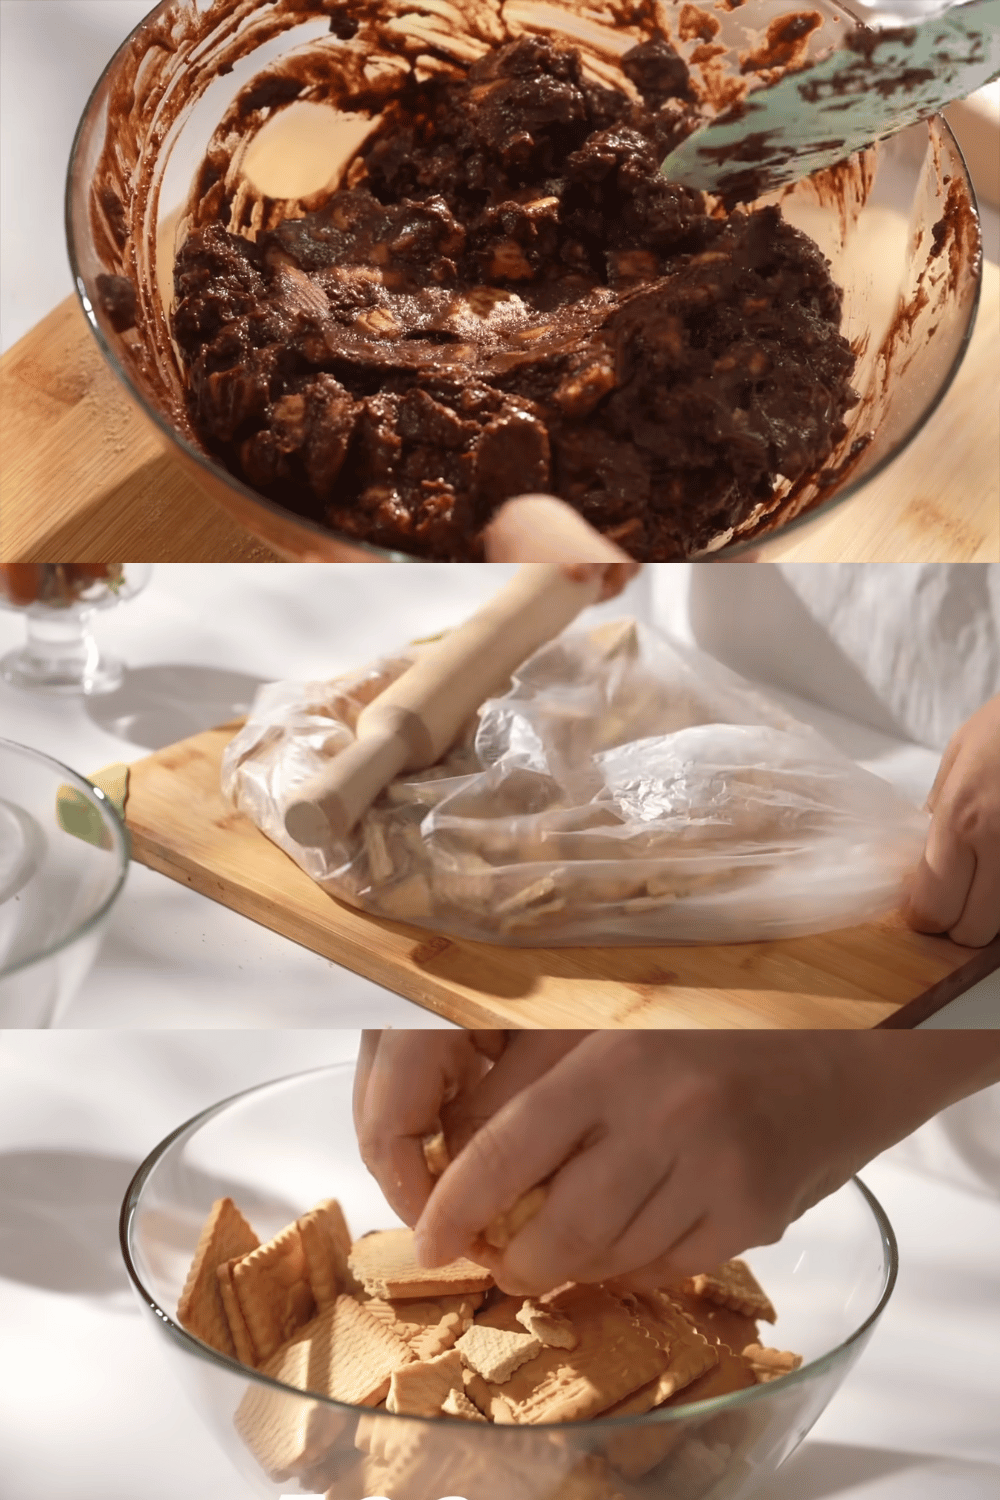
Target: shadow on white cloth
pixel 156 706
pixel 60 1219
pixel 753 620
pixel 822 1471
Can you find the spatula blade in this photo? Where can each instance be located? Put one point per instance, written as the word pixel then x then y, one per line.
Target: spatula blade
pixel 874 84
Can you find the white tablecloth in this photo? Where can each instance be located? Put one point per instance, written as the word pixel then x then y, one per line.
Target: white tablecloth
pixel 197 643
pixel 89 1407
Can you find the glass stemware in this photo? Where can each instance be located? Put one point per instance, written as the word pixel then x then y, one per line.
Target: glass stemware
pixel 58 602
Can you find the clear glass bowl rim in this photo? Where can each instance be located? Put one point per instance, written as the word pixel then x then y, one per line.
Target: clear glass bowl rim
pixel 118 832
pixel 733 1401
pixel 217 471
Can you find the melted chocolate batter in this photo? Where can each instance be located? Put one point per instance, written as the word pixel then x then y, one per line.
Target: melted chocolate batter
pixel 508 297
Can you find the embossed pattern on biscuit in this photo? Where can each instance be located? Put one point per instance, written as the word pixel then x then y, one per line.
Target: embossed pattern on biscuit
pixel 770 1364
pixel 421 1388
pixel 577 1352
pixel 344 1354
pixel 734 1285
pixel 386 1265
pixel 428 1327
pixel 272 1288
pixel 613 1357
pixel 326 1245
pixel 226 1236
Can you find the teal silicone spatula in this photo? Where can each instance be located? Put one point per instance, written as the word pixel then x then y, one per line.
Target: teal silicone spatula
pixel 874 83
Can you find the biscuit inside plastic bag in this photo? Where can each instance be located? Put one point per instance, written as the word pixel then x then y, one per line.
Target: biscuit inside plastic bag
pixel 626 789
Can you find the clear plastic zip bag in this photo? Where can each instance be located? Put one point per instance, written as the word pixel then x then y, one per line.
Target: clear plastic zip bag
pixel 626 789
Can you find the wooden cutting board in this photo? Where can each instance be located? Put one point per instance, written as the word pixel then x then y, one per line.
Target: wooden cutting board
pixel 880 974
pixel 85 479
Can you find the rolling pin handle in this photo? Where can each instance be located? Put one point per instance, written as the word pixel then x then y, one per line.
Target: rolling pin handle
pixel 331 803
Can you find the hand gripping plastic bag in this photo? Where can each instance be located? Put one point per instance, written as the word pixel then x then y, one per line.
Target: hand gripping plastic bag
pixel 626 789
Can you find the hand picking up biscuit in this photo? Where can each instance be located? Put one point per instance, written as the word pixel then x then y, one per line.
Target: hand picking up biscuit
pixel 363 1324
pixel 505 1226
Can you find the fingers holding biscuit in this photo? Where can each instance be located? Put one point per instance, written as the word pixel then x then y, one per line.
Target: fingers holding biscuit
pixel 648 1158
pixel 403 1082
pixel 596 1222
pixel 506 1157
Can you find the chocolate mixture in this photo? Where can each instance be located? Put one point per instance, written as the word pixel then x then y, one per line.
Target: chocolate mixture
pixel 507 296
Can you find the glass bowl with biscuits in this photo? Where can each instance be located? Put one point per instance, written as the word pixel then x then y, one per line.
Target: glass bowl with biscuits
pixel 372 267
pixel 326 1361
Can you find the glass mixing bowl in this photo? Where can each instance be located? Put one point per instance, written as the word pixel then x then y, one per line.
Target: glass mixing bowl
pixel 63 859
pixel 899 225
pixel 280 1148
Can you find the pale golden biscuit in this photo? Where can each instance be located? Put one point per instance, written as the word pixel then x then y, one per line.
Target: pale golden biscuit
pixel 636 1452
pixel 351 1483
pixel 730 1373
pixel 770 1364
pixel 287 1435
pixel 273 1291
pixel 410 1465
pixel 386 1265
pixel 408 1461
pixel 370 1432
pixel 428 1327
pixel 494 1408
pixel 733 1285
pixel 691 1356
pixel 614 1356
pixel 554 1330
pixel 437 1347
pixel 436 1154
pixel 495 1353
pixel 699 1465
pixel 501 1230
pixel 238 1330
pixel 720 1325
pixel 688 1362
pixel 421 1388
pixel 342 1353
pixel 457 1404
pixel 592 1479
pixel 226 1236
pixel 633 1453
pixel 326 1245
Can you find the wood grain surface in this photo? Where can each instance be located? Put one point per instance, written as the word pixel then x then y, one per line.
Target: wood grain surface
pixel 874 975
pixel 84 478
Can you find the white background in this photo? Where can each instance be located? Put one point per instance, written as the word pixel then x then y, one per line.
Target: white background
pixel 89 1408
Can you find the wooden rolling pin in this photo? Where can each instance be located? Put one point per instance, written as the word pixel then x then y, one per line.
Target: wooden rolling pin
pixel 417 718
